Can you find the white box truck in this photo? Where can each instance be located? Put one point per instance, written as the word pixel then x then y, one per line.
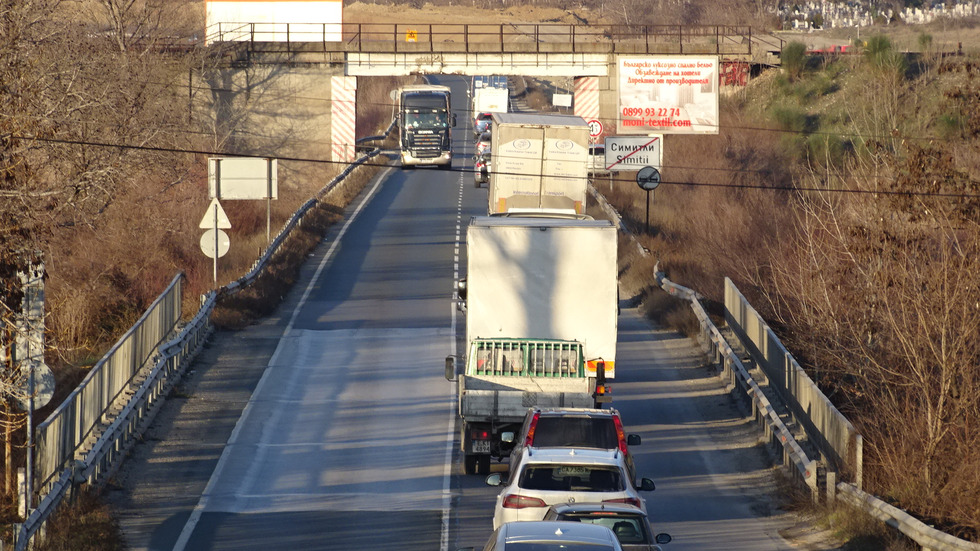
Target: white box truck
pixel 490 100
pixel 541 305
pixel 540 162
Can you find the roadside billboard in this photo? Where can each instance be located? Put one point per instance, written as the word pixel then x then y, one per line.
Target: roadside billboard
pixel 668 95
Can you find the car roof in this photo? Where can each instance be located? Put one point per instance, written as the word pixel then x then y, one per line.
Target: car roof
pixel 575 456
pixel 556 530
pixel 601 507
pixel 577 411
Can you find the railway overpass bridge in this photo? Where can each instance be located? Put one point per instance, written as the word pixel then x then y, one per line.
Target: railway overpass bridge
pixel 534 49
pixel 321 62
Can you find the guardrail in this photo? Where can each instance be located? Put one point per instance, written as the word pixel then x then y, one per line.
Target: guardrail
pixel 776 432
pixel 928 537
pixel 65 431
pixel 173 357
pixel 840 444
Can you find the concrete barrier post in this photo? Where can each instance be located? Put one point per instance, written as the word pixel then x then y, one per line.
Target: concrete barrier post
pixel 831 486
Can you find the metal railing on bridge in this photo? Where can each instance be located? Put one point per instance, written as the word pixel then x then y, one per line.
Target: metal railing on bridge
pixel 723 40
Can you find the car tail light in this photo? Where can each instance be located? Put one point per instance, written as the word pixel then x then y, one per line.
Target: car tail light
pixel 529 439
pixel 628 500
pixel 620 434
pixel 517 501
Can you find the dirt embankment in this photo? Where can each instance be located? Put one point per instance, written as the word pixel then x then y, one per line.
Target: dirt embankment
pixel 361 12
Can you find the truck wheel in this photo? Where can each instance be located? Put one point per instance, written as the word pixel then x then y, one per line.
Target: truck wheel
pixel 483 466
pixel 469 464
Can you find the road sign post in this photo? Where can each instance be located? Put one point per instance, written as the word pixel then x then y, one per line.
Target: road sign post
pixel 648 178
pixel 215 242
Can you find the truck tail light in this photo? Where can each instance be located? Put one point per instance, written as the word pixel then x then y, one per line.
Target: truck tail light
pixel 529 439
pixel 480 435
pixel 517 501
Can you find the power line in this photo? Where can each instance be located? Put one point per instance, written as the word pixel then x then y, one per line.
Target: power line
pixel 663 182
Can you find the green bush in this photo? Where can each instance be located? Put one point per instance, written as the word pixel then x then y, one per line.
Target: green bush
pixel 883 58
pixel 793 59
pixel 950 126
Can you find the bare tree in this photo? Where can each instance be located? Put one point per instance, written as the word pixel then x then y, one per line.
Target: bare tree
pixel 883 297
pixel 81 113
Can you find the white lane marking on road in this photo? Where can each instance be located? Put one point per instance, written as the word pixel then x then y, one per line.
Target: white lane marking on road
pixel 451 430
pixel 195 517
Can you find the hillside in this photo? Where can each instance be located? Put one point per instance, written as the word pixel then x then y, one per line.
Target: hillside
pixel 840 196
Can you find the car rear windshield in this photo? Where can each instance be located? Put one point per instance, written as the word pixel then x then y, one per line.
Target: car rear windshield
pixel 628 528
pixel 579 432
pixel 571 478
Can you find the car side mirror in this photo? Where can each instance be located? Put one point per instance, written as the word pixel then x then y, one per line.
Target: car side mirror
pixel 461 289
pixel 647 485
pixel 454 119
pixel 507 436
pixel 633 440
pixel 450 368
pixel 496 479
pixel 663 537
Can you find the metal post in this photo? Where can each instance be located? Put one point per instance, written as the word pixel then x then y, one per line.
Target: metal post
pixel 217 178
pixel 648 211
pixel 215 245
pixel 190 94
pixel 29 475
pixel 268 200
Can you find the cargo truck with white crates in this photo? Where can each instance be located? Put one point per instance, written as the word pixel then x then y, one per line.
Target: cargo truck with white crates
pixel 540 162
pixel 541 303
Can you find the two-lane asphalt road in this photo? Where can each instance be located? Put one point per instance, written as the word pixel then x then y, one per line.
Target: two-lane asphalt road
pixel 330 425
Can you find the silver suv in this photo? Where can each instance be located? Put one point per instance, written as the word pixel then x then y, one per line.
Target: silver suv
pixel 551 536
pixel 549 476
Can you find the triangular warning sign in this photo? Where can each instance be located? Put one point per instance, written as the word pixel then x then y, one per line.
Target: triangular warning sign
pixel 214 209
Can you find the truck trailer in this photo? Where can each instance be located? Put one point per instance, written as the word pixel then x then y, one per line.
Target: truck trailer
pixel 541 305
pixel 540 161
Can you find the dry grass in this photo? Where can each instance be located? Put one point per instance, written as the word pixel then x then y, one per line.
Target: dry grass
pixel 84 525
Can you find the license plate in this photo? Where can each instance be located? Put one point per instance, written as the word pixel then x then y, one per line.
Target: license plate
pixel 481 446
